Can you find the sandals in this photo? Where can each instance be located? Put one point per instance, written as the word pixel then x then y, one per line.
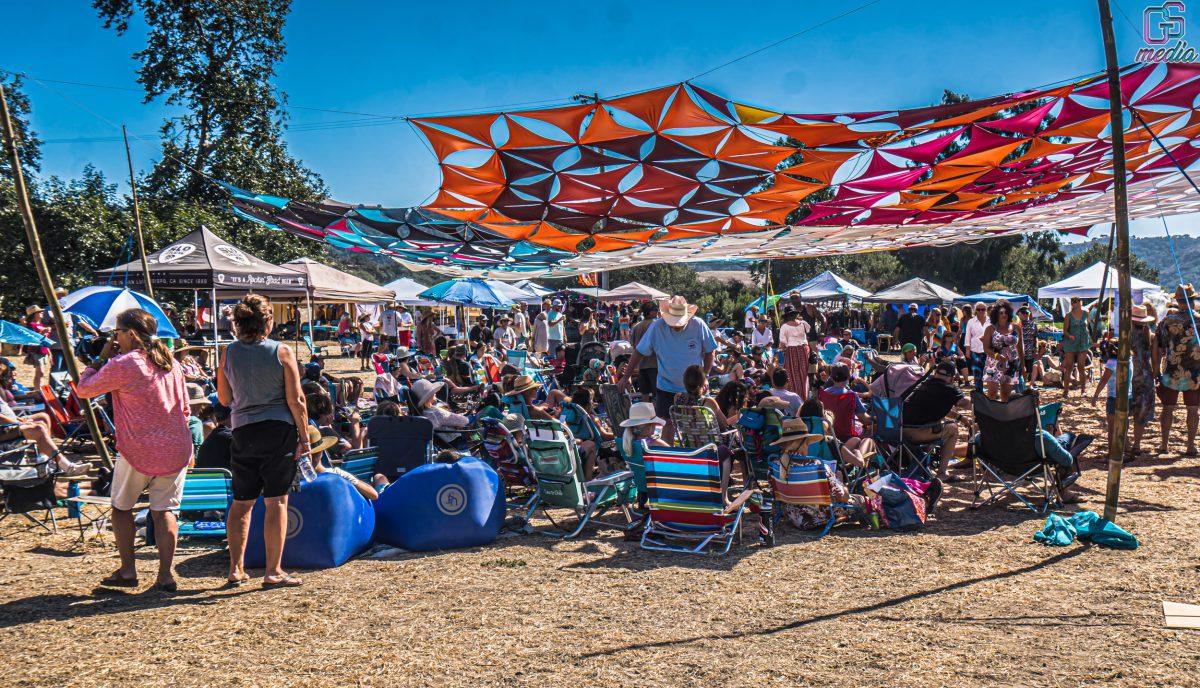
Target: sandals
pixel 116 580
pixel 286 582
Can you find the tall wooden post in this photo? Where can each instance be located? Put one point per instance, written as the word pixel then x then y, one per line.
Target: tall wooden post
pixel 137 216
pixel 43 272
pixel 1124 291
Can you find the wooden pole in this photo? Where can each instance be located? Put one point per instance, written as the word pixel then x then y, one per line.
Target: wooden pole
pixel 137 216
pixel 43 272
pixel 1116 451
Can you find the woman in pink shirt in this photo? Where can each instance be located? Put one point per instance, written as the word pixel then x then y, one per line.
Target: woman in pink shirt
pixel 150 411
pixel 793 339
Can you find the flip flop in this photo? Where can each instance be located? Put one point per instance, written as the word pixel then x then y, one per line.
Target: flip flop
pixel 116 580
pixel 285 582
pixel 236 582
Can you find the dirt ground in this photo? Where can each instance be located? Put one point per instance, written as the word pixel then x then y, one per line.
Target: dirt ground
pixel 968 601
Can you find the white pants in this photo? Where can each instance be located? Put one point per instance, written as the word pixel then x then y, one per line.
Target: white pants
pixel 166 491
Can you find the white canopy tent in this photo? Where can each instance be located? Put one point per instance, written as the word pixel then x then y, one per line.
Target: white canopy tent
pixel 633 291
pixel 1086 284
pixel 330 285
pixel 827 286
pixel 406 292
pixel 534 288
pixel 513 292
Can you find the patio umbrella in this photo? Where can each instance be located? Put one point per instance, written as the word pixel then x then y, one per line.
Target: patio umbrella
pixel 12 333
pixel 101 305
pixel 467 291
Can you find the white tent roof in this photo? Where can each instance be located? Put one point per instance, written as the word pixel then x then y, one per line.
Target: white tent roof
pixel 827 285
pixel 633 290
pixel 406 292
pixel 534 288
pixel 915 290
pixel 332 285
pixel 1086 285
pixel 513 293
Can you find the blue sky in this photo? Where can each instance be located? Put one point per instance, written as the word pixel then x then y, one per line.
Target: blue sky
pixel 400 58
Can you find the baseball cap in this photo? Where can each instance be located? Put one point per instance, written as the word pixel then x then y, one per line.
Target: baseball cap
pixel 945 368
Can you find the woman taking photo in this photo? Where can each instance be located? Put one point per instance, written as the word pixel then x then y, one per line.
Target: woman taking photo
pixel 150 412
pixel 259 380
pixel 794 336
pixel 1075 344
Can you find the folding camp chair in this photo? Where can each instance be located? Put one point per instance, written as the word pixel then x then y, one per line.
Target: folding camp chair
pixel 360 463
pixel 400 444
pixel 697 426
pixel 559 472
pixel 318 352
pixel 1006 457
pixel 903 456
pixel 203 507
pixel 510 458
pixel 804 481
pixel 830 353
pixel 687 511
pixel 27 479
pixel 616 405
pixel 1048 414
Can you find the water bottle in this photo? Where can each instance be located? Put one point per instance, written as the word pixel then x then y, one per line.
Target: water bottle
pixel 306 469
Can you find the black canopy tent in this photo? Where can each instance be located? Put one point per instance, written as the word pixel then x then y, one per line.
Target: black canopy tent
pixel 203 261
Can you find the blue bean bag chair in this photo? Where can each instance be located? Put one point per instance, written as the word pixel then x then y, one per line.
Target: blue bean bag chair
pixel 441 506
pixel 328 522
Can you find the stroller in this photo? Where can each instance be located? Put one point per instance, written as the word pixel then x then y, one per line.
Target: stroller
pixel 28 482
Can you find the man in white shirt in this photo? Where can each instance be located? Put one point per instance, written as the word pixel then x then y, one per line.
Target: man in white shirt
pixel 761 334
pixel 404 326
pixel 974 335
pixel 751 318
pixel 505 336
pixel 555 320
pixel 388 323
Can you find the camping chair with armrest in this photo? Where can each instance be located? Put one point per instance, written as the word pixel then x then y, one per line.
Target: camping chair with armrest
pixel 616 405
pixel 27 481
pixel 697 426
pixel 510 458
pixel 830 352
pixel 399 443
pixel 1048 414
pixel 687 510
pixel 318 352
pixel 207 492
pixel 903 456
pixel 559 472
pixel 1006 457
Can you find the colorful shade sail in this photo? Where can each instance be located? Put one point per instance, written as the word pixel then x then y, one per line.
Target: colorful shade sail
pixel 680 173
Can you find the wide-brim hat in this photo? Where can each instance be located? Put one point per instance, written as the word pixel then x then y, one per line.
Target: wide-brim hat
pixel 1139 313
pixel 1185 292
pixel 403 353
pixel 522 383
pixel 423 389
pixel 318 443
pixel 676 310
pixel 189 349
pixel 642 413
pixel 30 310
pixel 796 431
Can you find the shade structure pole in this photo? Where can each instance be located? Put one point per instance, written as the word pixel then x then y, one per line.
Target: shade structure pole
pixel 216 335
pixel 1116 450
pixel 196 307
pixel 312 332
pixel 44 277
pixel 137 216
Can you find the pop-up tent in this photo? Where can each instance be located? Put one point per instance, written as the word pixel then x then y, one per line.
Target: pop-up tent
pixel 513 292
pixel 334 286
pixel 534 288
pixel 1086 284
pixel 827 286
pixel 915 290
pixel 1017 300
pixel 406 291
pixel 633 291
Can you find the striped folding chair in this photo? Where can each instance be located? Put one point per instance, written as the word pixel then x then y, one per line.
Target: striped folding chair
pixel 687 510
pixel 697 426
pixel 804 481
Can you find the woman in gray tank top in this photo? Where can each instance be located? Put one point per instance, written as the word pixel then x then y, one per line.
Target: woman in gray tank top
pixel 260 381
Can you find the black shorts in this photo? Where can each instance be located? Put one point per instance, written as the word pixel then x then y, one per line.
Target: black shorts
pixel 647 381
pixel 262 459
pixel 663 401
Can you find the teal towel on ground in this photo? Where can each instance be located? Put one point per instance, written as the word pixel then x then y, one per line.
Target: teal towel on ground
pixel 1105 533
pixel 1058 532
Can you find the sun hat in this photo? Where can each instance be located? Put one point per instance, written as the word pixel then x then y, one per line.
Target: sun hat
pixel 1185 292
pixel 30 310
pixel 522 383
pixel 403 353
pixel 676 310
pixel 557 303
pixel 319 443
pixel 642 413
pixel 513 422
pixel 197 397
pixel 912 306
pixel 796 430
pixel 908 347
pixel 60 292
pixel 1141 314
pixel 423 389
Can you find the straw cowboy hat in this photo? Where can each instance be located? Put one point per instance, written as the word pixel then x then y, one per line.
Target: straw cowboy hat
pixel 642 413
pixel 319 443
pixel 676 310
pixel 30 310
pixel 1141 314
pixel 522 383
pixel 423 389
pixel 796 431
pixel 1185 292
pixel 403 353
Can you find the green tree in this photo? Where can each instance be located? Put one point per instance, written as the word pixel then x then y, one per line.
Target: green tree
pixel 216 60
pixel 1099 252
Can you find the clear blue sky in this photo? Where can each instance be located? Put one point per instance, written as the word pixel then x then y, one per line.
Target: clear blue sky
pixel 409 58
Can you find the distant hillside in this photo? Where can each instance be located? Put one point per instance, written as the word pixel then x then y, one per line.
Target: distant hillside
pixel 1155 251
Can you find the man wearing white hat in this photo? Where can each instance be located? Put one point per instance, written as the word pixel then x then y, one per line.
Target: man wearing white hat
pixel 678 339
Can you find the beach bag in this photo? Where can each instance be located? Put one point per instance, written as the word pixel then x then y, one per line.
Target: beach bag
pixel 897 503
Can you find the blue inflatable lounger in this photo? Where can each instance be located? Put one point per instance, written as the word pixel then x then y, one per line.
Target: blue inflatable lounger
pixel 441 506
pixel 328 523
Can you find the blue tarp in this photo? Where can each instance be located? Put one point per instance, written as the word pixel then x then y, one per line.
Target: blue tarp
pixel 1017 300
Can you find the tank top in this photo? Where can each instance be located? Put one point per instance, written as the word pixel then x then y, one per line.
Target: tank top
pixel 256 379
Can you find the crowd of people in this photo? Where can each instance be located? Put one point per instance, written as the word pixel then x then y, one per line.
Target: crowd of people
pixel 256 409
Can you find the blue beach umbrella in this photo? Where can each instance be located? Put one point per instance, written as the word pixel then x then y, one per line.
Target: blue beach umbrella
pixel 12 333
pixel 467 291
pixel 101 306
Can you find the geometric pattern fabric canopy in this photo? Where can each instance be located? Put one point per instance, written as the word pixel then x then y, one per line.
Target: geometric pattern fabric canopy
pixel 680 173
